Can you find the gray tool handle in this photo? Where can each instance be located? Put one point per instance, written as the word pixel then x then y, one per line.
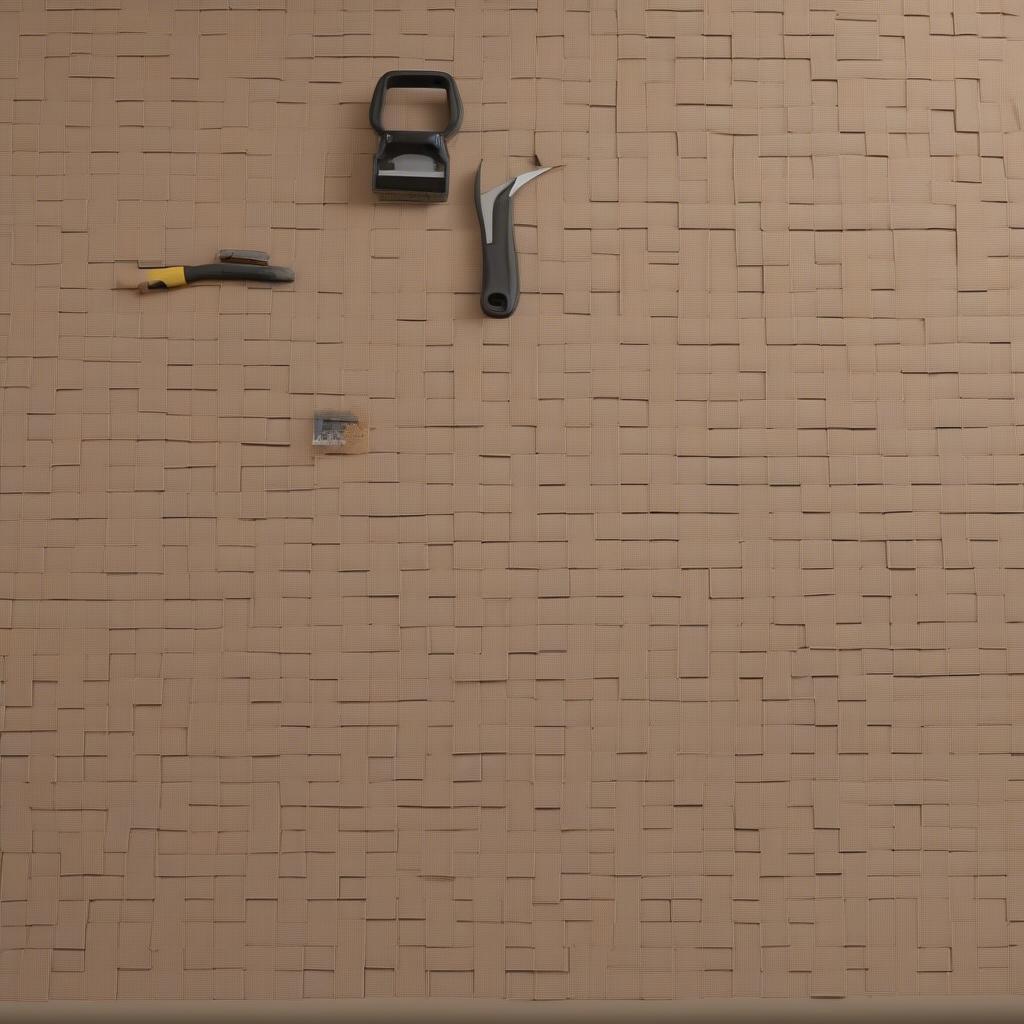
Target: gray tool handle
pixel 499 292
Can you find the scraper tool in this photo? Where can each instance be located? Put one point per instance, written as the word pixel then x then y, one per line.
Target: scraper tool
pixel 499 293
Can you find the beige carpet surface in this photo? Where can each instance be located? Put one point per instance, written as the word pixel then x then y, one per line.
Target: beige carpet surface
pixel 667 640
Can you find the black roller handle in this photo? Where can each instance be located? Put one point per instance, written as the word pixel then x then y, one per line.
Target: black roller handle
pixel 237 272
pixel 499 292
pixel 417 80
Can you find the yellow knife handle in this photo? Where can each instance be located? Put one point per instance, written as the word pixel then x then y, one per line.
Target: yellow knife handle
pixel 165 277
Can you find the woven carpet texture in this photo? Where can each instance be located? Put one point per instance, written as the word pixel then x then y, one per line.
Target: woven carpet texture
pixel 665 640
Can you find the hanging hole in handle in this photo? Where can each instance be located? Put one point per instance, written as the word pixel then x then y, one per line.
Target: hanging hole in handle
pixel 497 301
pixel 421 109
